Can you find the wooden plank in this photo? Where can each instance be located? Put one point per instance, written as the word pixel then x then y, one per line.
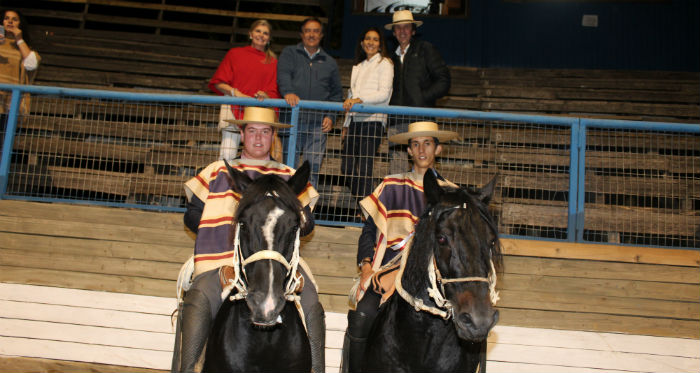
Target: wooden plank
pixel 609 342
pixel 101 300
pixel 66 147
pixel 615 253
pixel 640 220
pixel 114 183
pixel 88 317
pixel 87 281
pixel 85 353
pixel 576 107
pixel 563 358
pixel 78 263
pixel 643 186
pixel 89 214
pixel 38 365
pixel 136 67
pixel 602 323
pixel 600 269
pixel 602 287
pixel 127 50
pixel 94 335
pixel 556 299
pixel 126 131
pixel 615 139
pixel 638 161
pixel 195 46
pixel 60 76
pixel 606 94
pixel 534 215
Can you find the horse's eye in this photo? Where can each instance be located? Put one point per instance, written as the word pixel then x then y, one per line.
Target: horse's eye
pixel 442 240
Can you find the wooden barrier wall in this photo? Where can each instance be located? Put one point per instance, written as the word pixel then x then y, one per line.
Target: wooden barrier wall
pixel 551 285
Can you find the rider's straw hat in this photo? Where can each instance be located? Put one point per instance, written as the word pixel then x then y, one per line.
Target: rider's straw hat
pixel 420 129
pixel 400 17
pixel 260 115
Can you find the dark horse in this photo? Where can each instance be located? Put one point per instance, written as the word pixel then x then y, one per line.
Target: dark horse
pixel 443 308
pixel 258 328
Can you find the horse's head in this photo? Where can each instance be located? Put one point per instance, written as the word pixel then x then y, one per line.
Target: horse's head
pixel 269 218
pixel 466 252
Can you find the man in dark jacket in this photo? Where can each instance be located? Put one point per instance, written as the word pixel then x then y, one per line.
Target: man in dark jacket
pixel 420 78
pixel 306 72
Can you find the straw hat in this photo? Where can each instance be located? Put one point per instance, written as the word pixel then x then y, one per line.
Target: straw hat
pixel 400 17
pixel 423 129
pixel 259 115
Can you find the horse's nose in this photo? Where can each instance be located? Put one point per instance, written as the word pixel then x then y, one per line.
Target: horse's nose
pixel 264 307
pixel 477 324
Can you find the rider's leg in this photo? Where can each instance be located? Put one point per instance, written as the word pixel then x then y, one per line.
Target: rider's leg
pixel 359 323
pixel 315 320
pixel 198 309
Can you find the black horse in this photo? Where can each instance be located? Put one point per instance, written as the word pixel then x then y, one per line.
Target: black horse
pixel 443 308
pixel 258 328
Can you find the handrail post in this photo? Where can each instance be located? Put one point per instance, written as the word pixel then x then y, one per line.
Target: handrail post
pixel 581 181
pixel 572 222
pixel 292 142
pixel 8 142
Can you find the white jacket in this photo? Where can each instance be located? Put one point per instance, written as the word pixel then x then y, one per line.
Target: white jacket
pixel 372 82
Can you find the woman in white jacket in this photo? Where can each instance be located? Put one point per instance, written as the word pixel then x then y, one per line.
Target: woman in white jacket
pixel 371 84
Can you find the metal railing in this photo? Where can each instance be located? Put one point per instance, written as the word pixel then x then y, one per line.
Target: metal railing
pixel 560 178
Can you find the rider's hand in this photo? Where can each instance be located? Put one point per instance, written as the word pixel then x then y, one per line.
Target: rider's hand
pixel 365 272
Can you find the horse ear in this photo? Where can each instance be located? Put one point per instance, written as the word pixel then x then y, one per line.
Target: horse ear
pixel 240 179
pixel 300 178
pixel 486 193
pixel 431 188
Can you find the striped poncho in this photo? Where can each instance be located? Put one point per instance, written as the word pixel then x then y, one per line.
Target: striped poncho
pixel 395 207
pixel 213 246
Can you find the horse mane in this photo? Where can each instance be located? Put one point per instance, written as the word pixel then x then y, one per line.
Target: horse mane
pixel 266 186
pixel 424 241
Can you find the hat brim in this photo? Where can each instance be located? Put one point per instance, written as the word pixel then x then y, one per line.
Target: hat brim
pixel 402 138
pixel 240 122
pixel 389 26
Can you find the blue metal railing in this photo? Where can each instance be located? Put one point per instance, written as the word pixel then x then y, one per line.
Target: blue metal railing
pixel 577 154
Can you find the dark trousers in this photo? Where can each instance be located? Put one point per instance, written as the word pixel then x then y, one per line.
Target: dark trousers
pixel 359 152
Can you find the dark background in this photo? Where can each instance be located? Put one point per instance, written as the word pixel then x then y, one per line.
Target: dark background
pixel 647 35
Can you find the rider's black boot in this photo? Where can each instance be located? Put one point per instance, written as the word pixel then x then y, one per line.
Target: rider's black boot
pixel 316 329
pixel 355 341
pixel 194 322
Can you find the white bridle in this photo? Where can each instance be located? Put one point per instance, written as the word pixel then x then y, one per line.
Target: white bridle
pixel 444 308
pixel 238 282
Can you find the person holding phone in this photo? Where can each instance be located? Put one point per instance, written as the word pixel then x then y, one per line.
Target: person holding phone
pixel 18 62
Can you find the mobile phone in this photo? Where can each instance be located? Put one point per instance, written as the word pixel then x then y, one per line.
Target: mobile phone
pixel 2 31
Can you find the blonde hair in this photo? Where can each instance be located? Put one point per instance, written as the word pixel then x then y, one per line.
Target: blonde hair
pixel 262 22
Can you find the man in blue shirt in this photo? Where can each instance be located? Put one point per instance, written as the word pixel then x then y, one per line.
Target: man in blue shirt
pixel 306 72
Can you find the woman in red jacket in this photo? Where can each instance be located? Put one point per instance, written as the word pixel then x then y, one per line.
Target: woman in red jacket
pixel 249 71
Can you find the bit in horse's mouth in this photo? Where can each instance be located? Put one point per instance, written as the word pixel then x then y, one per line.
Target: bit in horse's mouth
pixel 268 324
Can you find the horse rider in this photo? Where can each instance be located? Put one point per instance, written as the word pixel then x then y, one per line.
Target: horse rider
pixel 210 210
pixel 391 212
